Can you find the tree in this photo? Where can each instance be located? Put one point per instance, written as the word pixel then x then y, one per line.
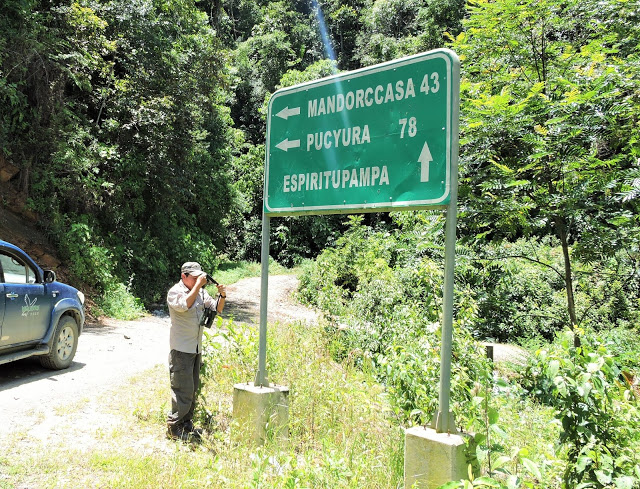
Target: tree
pixel 116 118
pixel 397 28
pixel 343 23
pixel 549 124
pixel 32 83
pixel 283 39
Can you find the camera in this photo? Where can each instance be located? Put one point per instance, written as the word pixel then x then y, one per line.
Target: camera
pixel 207 317
pixel 208 314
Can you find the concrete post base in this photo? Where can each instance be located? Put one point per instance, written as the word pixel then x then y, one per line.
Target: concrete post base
pixel 260 413
pixel 432 459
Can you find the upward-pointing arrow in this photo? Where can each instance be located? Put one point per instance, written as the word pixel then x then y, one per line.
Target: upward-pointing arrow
pixel 424 159
pixel 287 112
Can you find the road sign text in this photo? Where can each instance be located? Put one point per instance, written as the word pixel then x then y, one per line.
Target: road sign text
pixel 361 177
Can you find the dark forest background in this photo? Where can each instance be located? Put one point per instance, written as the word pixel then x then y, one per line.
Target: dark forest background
pixel 137 129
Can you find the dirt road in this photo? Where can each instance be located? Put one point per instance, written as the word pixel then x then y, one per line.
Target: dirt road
pixel 32 398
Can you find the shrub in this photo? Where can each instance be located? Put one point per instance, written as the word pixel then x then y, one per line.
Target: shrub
pixel 385 300
pixel 517 298
pixel 411 371
pixel 118 302
pixel 89 259
pixel 597 411
pixel 622 343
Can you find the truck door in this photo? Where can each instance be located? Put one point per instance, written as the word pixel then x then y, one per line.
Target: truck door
pixel 27 310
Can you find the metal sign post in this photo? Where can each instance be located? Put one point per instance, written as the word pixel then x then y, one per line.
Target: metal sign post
pixel 261 376
pixel 443 421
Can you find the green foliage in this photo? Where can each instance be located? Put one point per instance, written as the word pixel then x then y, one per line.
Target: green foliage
pixel 528 474
pixel 386 301
pixel 519 291
pixel 411 372
pixel 236 19
pixel 358 265
pixel 397 28
pixel 380 288
pixel 319 69
pixel 508 456
pixel 598 412
pixel 89 260
pixel 125 104
pixel 94 264
pixel 282 39
pixel 546 137
pixel 123 112
pixel 343 26
pixel 118 302
pixel 516 289
pixel 623 345
pixel 16 25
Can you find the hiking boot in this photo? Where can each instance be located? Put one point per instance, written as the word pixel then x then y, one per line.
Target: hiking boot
pixel 178 432
pixel 192 430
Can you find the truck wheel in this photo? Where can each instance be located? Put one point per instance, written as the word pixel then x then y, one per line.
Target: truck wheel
pixel 64 344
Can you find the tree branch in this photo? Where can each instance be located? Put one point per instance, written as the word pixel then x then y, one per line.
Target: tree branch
pixel 524 257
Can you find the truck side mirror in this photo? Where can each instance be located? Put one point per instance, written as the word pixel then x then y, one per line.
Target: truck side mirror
pixel 49 276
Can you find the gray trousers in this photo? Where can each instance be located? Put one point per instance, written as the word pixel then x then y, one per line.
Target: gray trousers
pixel 184 371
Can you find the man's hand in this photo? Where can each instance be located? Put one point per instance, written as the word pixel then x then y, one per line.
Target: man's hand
pixel 201 281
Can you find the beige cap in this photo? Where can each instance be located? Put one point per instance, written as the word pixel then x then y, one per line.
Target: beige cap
pixel 192 268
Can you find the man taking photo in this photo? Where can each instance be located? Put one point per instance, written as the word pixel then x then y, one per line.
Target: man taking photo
pixel 187 301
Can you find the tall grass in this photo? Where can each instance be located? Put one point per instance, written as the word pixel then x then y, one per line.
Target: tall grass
pixel 341 432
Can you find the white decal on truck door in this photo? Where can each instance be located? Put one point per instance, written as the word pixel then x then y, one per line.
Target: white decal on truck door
pixel 31 309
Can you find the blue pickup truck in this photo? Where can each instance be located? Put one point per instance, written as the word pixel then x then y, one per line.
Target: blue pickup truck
pixel 38 315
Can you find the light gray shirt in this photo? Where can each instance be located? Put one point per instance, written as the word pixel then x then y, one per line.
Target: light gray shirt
pixel 185 334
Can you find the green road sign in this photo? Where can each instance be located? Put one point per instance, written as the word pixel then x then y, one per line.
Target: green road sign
pixel 379 138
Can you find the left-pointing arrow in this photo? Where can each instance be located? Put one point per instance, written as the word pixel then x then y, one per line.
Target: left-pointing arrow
pixel 288 112
pixel 424 159
pixel 287 145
